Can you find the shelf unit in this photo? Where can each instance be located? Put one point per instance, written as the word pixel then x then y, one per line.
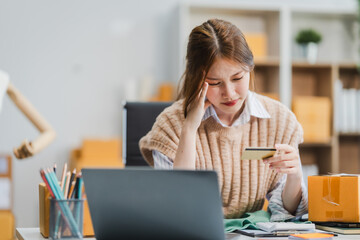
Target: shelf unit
pixel 283 72
pixel 349 142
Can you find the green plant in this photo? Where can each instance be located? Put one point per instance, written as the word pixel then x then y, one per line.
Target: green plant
pixel 308 35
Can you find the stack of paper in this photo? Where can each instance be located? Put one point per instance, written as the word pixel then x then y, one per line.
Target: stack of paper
pixel 347 109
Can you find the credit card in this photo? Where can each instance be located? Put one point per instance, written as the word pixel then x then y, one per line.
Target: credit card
pixel 258 153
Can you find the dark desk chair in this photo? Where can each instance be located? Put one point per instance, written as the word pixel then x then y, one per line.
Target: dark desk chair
pixel 138 119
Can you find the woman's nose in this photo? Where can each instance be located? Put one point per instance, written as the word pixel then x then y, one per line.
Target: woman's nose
pixel 228 91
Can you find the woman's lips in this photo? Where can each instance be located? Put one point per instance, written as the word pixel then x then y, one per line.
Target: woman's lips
pixel 231 103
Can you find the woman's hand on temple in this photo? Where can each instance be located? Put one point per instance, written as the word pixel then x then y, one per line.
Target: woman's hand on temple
pixel 185 154
pixel 197 109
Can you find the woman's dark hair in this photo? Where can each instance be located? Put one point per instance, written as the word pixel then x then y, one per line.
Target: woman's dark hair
pixel 212 40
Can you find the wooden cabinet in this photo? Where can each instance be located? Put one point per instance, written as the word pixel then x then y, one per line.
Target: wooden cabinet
pixel 282 72
pixel 312 89
pixel 267 78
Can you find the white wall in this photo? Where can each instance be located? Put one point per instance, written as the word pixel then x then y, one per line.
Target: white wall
pixel 72 60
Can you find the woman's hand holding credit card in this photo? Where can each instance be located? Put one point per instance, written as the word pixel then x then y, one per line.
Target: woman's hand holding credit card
pixel 286 160
pixel 283 158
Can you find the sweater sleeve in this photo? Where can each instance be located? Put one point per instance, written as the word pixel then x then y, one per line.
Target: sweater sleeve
pixel 276 206
pixel 165 134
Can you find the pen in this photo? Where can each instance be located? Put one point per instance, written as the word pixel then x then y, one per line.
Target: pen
pixel 80 187
pixel 42 173
pixel 75 188
pixel 70 182
pixel 63 177
pixel 67 184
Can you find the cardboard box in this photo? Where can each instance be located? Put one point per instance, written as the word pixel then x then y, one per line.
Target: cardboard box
pixel 44 211
pixel 314 114
pixel 257 43
pixel 7 225
pixel 97 153
pixel 334 198
pixel 166 92
pixel 96 148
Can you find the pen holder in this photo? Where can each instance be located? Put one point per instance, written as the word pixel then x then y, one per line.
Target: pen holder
pixel 44 214
pixel 66 219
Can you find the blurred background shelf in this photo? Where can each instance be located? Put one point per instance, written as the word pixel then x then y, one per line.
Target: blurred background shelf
pixel 281 71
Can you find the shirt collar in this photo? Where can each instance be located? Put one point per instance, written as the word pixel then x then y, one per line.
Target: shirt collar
pixel 253 107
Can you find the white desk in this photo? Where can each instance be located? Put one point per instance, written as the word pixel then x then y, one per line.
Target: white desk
pixel 34 234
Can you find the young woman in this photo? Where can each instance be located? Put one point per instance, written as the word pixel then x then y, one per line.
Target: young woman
pixel 217 117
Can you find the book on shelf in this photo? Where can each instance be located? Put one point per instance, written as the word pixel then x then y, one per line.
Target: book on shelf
pixel 310 236
pixel 344 126
pixel 340 230
pixel 347 109
pixel 352 109
pixel 337 105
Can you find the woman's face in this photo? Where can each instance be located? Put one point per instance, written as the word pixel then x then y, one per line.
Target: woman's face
pixel 228 87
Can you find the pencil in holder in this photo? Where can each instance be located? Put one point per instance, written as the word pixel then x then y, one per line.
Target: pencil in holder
pixel 66 219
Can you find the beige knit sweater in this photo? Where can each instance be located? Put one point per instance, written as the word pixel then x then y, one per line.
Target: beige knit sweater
pixel 243 183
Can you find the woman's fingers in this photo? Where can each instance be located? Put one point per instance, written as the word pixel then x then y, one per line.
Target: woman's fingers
pixel 203 96
pixel 198 107
pixel 287 162
pixel 283 157
pixel 292 170
pixel 284 164
pixel 284 148
pixel 204 91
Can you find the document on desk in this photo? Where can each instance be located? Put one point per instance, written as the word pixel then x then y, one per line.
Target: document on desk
pixel 261 233
pixel 285 226
pixel 278 229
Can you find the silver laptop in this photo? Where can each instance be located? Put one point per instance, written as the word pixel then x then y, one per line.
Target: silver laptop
pixel 154 204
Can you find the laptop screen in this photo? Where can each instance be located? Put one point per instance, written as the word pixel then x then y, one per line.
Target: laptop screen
pixel 154 204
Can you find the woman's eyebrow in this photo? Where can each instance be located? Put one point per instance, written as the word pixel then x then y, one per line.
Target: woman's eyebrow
pixel 213 79
pixel 237 73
